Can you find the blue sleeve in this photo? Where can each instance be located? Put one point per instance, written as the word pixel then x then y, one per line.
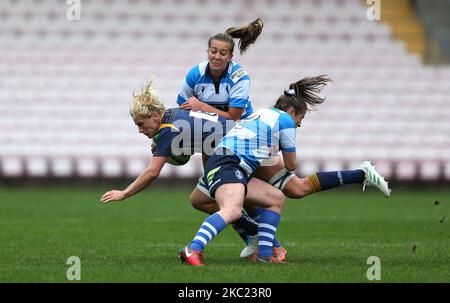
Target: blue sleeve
pixel 287 133
pixel 239 93
pixel 187 88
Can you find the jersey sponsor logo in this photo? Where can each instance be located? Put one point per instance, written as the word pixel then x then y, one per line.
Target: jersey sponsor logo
pixel 238 75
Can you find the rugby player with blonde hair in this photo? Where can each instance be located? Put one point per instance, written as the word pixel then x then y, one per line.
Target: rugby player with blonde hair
pixel 155 121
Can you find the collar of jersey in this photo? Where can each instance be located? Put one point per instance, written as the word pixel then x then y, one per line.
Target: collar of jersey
pixel 282 111
pixel 164 125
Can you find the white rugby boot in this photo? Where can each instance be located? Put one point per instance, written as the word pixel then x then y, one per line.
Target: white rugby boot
pixel 373 178
pixel 251 248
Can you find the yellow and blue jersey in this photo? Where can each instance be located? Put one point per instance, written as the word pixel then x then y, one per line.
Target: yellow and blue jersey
pixel 231 90
pixel 259 136
pixel 187 132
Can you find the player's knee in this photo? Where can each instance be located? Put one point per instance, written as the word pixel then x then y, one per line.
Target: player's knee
pixel 193 199
pixel 277 198
pixel 297 189
pixel 231 215
pixel 200 203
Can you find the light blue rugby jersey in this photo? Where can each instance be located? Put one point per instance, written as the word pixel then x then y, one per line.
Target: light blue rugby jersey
pixel 233 90
pixel 257 137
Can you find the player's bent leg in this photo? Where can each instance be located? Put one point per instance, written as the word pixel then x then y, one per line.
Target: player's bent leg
pixel 290 184
pixel 279 252
pixel 230 198
pixel 365 174
pixel 262 194
pixel 297 188
pixel 245 226
pixel 251 249
pixel 201 200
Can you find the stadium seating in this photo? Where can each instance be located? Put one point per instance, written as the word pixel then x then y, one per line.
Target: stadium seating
pixel 65 86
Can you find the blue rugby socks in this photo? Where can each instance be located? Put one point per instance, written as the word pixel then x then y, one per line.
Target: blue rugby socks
pixel 213 225
pixel 255 214
pixel 268 224
pixel 327 180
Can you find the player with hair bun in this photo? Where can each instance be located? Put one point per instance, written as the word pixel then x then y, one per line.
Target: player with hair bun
pixel 221 85
pixel 302 96
pixel 228 178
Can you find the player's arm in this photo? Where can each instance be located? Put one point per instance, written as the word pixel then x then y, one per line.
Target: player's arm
pixel 145 178
pixel 237 99
pixel 290 160
pixel 233 113
pixel 287 142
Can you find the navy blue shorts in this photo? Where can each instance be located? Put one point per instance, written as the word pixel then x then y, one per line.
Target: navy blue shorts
pixel 223 169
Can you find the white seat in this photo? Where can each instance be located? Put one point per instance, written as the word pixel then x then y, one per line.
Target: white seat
pixel 430 170
pixel 74 82
pixel 62 167
pixel 87 167
pixel 37 167
pixel 12 166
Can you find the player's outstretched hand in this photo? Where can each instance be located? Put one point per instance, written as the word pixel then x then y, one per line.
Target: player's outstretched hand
pixel 112 195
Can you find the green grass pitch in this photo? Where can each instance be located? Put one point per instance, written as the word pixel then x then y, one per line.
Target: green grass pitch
pixel 329 237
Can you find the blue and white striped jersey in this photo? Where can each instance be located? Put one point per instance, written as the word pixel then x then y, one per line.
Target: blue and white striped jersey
pixel 260 136
pixel 232 90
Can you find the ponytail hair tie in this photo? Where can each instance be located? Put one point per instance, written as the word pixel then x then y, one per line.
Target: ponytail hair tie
pixel 289 92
